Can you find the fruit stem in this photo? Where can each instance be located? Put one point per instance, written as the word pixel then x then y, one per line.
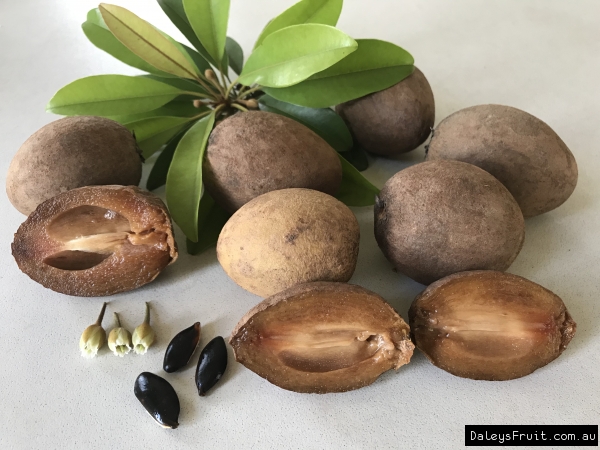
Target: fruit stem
pixel 117 320
pixel 243 94
pixel 101 316
pixel 209 89
pixel 147 314
pixel 205 113
pixel 240 107
pixel 231 87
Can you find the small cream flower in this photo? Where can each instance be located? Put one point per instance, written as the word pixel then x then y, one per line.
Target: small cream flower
pixel 119 339
pixel 93 337
pixel 143 335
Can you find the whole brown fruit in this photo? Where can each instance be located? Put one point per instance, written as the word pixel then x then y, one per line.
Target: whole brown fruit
pixel 287 237
pixel 520 150
pixel 256 152
pixel 395 120
pixel 441 217
pixel 69 153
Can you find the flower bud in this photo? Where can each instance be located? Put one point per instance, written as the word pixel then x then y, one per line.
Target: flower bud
pixel 143 335
pixel 93 337
pixel 119 339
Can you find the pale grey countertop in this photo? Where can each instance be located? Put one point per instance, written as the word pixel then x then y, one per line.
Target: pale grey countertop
pixel 541 56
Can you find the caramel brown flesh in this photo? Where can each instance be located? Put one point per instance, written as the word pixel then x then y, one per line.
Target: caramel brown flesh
pixel 322 337
pixel 489 325
pixel 96 241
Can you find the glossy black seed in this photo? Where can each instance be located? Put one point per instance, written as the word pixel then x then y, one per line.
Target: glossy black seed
pixel 181 348
pixel 211 365
pixel 159 398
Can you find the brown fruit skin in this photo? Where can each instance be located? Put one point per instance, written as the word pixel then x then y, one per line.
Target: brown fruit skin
pixel 395 120
pixel 437 218
pixel 69 153
pixel 256 152
pixel 329 304
pixel 150 247
pixel 288 237
pixel 525 325
pixel 520 150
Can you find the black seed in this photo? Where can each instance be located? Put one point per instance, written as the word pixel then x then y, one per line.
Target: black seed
pixel 181 348
pixel 159 398
pixel 211 365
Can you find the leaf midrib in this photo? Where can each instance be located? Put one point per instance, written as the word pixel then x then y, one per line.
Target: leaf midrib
pixel 116 99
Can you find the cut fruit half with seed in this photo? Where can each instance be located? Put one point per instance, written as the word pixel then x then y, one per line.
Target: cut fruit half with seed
pixel 96 240
pixel 322 337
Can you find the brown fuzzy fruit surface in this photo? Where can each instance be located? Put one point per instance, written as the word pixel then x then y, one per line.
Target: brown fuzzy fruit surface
pixel 488 325
pixel 256 152
pixel 395 120
pixel 441 217
pixel 520 150
pixel 69 153
pixel 96 241
pixel 322 337
pixel 288 237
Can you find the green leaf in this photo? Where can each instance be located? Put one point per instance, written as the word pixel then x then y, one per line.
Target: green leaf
pixel 326 12
pixel 98 34
pixel 211 220
pixel 175 108
pixel 208 19
pixel 109 95
pixel 152 133
pixel 325 122
pixel 187 86
pixel 293 54
pixel 160 169
pixel 357 156
pixel 375 66
pixel 175 11
pixel 235 54
pixel 184 180
pixel 355 190
pixel 146 41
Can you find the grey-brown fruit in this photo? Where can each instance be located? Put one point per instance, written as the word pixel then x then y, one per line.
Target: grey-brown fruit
pixel 395 120
pixel 256 152
pixel 488 325
pixel 288 237
pixel 520 150
pixel 96 240
pixel 437 218
pixel 69 153
pixel 322 337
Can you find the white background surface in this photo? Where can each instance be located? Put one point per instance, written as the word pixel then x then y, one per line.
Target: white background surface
pixel 541 56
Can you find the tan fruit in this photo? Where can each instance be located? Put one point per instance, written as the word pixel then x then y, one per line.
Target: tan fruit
pixel 488 325
pixel 441 217
pixel 395 120
pixel 288 237
pixel 322 337
pixel 96 240
pixel 256 152
pixel 520 150
pixel 69 153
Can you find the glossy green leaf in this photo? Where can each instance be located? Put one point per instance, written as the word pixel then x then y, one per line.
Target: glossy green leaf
pixel 175 108
pixel 184 180
pixel 326 12
pixel 211 220
pixel 187 86
pixel 176 13
pixel 355 190
pixel 152 133
pixel 236 55
pixel 160 169
pixel 107 95
pixel 325 122
pixel 146 41
pixel 98 34
pixel 375 66
pixel 208 19
pixel 357 156
pixel 293 54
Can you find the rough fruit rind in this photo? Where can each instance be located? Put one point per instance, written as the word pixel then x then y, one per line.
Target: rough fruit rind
pixel 437 218
pixel 286 338
pixel 288 237
pixel 489 325
pixel 519 149
pixel 256 152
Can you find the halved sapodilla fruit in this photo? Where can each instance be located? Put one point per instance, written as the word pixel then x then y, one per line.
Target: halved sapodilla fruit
pixel 96 241
pixel 489 325
pixel 322 337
